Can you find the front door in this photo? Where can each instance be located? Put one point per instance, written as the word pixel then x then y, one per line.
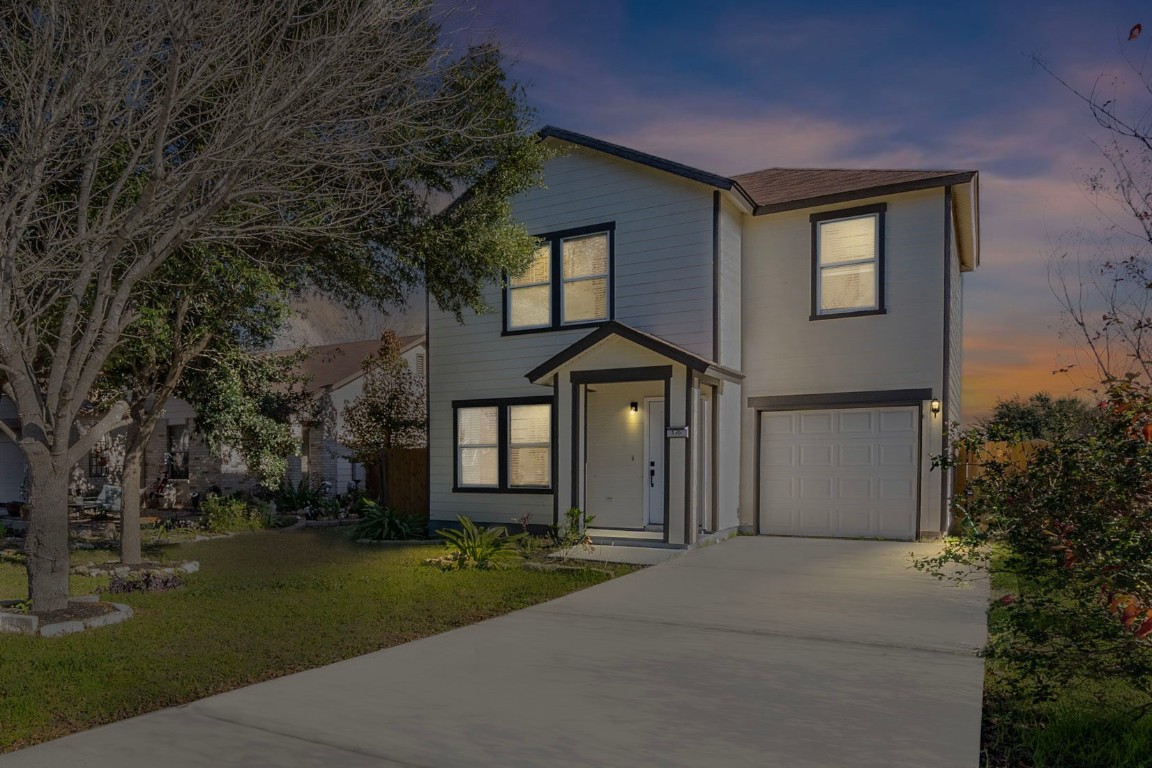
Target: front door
pixel 654 462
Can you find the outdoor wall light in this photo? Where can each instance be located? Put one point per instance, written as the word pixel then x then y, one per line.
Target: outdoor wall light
pixel 935 406
pixel 633 406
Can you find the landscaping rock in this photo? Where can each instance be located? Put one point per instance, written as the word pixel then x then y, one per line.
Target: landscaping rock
pixel 62 628
pixel 191 566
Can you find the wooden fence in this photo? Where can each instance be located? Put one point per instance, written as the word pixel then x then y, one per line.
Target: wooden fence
pixel 970 465
pixel 407 477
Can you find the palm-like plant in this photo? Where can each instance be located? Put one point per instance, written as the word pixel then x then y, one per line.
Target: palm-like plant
pixel 475 547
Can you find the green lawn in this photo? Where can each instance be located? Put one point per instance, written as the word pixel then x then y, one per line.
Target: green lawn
pixel 263 605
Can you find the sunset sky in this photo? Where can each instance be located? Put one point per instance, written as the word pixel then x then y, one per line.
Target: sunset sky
pixel 739 86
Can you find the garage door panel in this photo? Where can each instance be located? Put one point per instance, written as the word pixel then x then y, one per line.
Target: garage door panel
pixel 898 421
pixel 815 423
pixel 840 472
pixel 815 455
pixel 855 455
pixel 897 455
pixel 851 421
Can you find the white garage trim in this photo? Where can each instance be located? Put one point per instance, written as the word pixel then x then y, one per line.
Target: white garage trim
pixel 824 409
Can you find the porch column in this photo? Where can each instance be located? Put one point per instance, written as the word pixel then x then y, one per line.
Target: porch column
pixel 563 390
pixel 677 456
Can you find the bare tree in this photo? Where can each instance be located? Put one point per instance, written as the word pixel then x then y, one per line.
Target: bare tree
pixel 133 132
pixel 1103 279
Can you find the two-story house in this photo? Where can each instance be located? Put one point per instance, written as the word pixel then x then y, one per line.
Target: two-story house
pixel 777 352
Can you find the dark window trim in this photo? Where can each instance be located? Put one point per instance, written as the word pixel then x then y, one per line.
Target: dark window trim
pixel 829 400
pixel 556 283
pixel 879 210
pixel 502 444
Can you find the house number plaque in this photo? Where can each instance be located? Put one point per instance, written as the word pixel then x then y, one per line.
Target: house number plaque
pixel 676 432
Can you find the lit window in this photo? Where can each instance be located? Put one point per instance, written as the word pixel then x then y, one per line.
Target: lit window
pixel 847 261
pixel 585 278
pixel 504 445
pixel 477 446
pixel 530 292
pixel 568 283
pixel 529 445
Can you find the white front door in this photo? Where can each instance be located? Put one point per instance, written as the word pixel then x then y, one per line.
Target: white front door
pixel 654 462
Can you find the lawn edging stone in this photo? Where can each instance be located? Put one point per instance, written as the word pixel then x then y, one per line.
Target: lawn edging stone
pixel 29 624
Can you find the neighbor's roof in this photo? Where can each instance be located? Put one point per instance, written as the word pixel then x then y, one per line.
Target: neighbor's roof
pixel 332 365
pixel 781 189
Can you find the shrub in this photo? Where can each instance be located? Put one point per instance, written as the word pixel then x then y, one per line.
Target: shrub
pixel 573 531
pixel 474 547
pixel 143 581
pixel 293 498
pixel 1070 532
pixel 225 515
pixel 379 523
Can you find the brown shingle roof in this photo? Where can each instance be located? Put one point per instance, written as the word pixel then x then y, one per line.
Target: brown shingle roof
pixel 783 189
pixel 331 364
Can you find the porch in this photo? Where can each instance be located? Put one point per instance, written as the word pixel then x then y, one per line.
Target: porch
pixel 637 442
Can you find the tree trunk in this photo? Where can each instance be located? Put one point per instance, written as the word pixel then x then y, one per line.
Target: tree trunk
pixel 130 502
pixel 47 545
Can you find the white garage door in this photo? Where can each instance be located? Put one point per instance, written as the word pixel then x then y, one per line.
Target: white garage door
pixel 840 472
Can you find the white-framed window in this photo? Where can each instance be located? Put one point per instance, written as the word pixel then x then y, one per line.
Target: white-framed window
pixel 504 445
pixel 568 283
pixel 848 262
pixel 478 447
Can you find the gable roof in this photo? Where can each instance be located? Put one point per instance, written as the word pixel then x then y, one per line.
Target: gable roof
pixel 648 341
pixel 330 366
pixel 780 189
pixel 786 189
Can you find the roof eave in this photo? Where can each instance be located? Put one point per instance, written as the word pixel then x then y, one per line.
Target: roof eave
pixel 860 194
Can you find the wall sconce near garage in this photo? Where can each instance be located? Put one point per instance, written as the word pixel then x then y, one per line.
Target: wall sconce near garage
pixel 935 406
pixel 633 406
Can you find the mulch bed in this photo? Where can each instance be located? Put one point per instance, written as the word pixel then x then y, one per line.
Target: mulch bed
pixel 76 611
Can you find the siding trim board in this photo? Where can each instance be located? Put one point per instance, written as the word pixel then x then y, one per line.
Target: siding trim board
pixel 946 388
pixel 881 397
pixel 615 328
pixel 716 275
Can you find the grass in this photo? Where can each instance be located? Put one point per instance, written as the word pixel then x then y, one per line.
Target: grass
pixel 263 605
pixel 1089 725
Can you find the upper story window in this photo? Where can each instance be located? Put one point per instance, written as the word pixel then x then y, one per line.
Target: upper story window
pixel 568 283
pixel 848 262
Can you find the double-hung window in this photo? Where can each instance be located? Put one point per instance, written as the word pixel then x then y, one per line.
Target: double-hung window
pixel 567 284
pixel 504 445
pixel 848 262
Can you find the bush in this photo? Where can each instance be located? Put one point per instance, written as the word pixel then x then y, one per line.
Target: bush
pixel 379 523
pixel 293 498
pixel 225 515
pixel 143 581
pixel 474 547
pixel 1070 534
pixel 573 531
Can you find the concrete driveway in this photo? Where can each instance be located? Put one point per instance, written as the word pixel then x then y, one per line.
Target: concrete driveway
pixel 755 652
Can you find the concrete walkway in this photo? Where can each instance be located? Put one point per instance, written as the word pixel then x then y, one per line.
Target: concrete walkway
pixel 756 652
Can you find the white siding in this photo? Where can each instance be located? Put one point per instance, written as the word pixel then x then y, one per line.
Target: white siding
pixel 662 285
pixel 785 353
pixel 729 462
pixel 729 293
pixel 956 337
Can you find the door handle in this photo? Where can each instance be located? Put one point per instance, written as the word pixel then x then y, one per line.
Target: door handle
pixel 652 475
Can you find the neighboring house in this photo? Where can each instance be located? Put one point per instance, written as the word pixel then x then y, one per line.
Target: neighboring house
pixel 776 352
pixel 335 376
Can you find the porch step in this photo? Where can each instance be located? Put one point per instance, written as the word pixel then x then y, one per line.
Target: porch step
pixel 619 541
